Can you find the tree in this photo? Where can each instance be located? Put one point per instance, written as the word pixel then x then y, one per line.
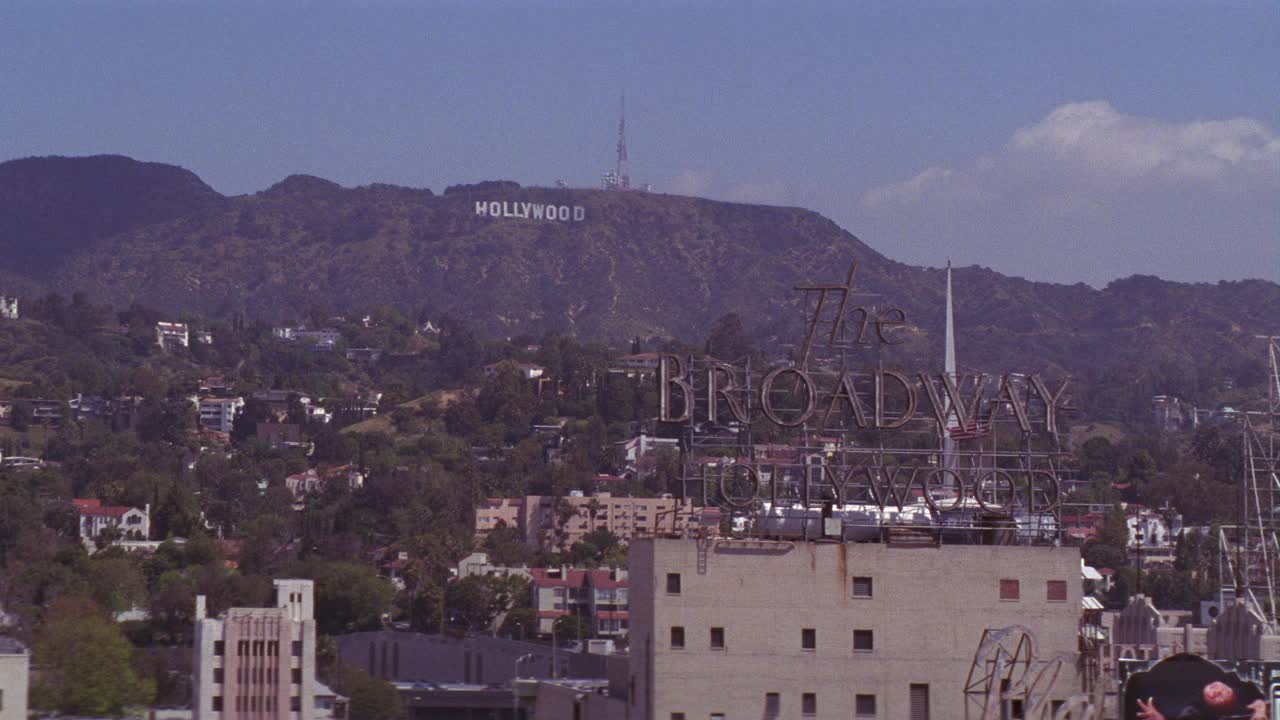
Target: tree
pixel 728 341
pixel 1110 547
pixel 370 698
pixel 568 628
pixel 350 597
pixel 87 664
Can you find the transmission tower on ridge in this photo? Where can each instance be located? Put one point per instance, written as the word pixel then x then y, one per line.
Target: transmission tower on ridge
pixel 620 177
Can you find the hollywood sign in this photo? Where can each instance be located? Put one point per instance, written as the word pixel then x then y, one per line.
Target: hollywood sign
pixel 530 211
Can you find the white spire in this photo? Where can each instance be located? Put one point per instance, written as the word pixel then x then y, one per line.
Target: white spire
pixel 949 367
pixel 950 362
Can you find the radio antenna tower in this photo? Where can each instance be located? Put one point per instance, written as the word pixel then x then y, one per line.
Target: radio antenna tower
pixel 623 174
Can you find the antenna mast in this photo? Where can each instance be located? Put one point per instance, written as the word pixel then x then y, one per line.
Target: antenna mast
pixel 622 173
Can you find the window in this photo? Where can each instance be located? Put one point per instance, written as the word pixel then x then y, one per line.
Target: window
pixel 1009 589
pixel 677 716
pixel 295 676
pixel 920 700
pixel 808 703
pixel 864 705
pixel 863 641
pixel 677 638
pixel 717 638
pixel 219 647
pixel 772 705
pixel 673 583
pixel 217 703
pixel 862 587
pixel 297 648
pixel 1057 591
pixel 808 639
pixel 217 675
pixel 295 704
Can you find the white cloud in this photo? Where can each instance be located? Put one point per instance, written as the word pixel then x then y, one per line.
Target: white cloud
pixel 1134 194
pixel 766 192
pixel 690 182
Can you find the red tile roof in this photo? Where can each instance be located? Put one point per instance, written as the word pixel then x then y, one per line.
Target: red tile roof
pixel 92 507
pixel 575 578
pixel 603 580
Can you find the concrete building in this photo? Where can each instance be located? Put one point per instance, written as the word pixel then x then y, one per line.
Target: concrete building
pixel 498 512
pixel 599 596
pixel 542 524
pixel 643 444
pixel 219 413
pixel 171 335
pixel 258 662
pixel 477 563
pixel 754 628
pixel 15 668
pixel 1153 538
pixel 413 657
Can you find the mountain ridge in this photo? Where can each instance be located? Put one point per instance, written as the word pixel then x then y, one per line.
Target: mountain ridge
pixel 634 264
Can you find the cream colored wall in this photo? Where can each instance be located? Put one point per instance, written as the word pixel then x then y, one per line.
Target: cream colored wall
pixel 928 612
pixel 14 679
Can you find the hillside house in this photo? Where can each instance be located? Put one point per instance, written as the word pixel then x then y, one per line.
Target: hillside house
pixel 527 371
pixel 172 335
pixel 125 523
pixel 8 308
pixel 316 480
pixel 219 413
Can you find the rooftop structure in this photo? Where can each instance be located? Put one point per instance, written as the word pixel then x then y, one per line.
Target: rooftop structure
pixel 754 628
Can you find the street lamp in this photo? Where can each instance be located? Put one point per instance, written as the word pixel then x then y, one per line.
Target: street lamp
pixel 515 693
pixel 522 658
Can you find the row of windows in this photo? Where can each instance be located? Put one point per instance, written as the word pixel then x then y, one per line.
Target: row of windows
pixel 862 586
pixel 863 640
pixel 1055 590
pixel 259 676
pixel 864 705
pixel 257 648
pixel 254 703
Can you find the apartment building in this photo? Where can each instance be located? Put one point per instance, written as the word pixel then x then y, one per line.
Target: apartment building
pixel 259 663
pixel 219 413
pixel 738 628
pixel 599 596
pixel 543 523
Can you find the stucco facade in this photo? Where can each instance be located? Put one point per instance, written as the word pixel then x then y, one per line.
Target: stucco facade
pixel 15 669
pixel 758 629
pixel 257 662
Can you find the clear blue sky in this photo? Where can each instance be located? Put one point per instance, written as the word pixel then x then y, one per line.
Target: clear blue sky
pixel 1059 141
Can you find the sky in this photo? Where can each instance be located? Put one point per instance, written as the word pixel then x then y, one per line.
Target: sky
pixel 1064 142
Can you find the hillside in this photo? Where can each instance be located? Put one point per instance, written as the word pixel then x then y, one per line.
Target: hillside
pixel 635 264
pixel 54 207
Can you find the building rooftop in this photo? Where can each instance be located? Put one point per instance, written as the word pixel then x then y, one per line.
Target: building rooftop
pixel 11 646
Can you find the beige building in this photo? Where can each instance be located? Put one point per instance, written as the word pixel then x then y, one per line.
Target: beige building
pixel 258 663
pixel 747 629
pixel 542 524
pixel 14 679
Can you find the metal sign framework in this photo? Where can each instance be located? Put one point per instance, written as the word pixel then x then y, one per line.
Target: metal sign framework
pixel 787 449
pixel 1249 554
